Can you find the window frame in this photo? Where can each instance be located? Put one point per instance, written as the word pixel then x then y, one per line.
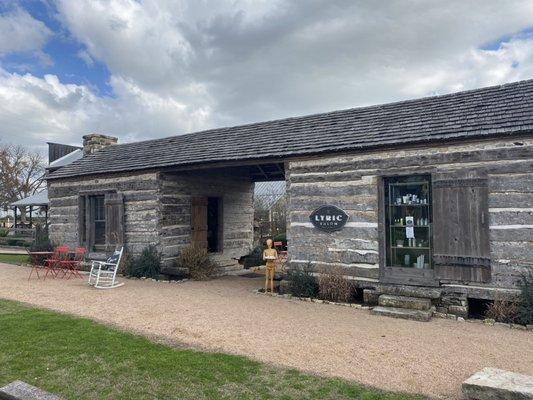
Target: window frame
pixel 86 219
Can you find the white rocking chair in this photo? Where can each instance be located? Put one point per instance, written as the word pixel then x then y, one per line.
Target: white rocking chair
pixel 103 273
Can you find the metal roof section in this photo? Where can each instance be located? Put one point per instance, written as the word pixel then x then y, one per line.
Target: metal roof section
pixel 38 199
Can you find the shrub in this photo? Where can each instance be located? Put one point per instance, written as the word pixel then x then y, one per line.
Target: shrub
pixel 525 308
pixel 147 264
pixel 17 242
pixel 301 282
pixel 42 241
pixel 255 258
pixel 333 286
pixel 196 260
pixel 503 310
pixel 3 232
pixel 128 267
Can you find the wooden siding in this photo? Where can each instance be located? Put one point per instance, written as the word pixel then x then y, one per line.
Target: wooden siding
pixel 351 183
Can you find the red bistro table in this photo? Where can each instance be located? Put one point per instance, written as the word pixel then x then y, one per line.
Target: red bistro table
pixel 35 265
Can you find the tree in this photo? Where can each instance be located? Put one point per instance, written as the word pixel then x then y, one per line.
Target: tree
pixel 21 174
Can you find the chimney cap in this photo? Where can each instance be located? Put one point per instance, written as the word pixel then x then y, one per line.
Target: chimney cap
pixel 95 141
pixel 99 135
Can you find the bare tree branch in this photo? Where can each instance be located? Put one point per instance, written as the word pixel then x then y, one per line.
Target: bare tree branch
pixel 21 173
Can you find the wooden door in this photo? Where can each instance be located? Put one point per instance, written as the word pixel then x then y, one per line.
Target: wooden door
pixel 461 226
pixel 199 222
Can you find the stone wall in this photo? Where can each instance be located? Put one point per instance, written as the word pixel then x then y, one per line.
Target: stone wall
pixel 157 208
pixel 351 183
pixel 94 142
pixel 235 189
pixel 141 207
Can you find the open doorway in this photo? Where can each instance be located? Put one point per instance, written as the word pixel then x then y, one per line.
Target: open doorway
pixel 270 211
pixel 214 224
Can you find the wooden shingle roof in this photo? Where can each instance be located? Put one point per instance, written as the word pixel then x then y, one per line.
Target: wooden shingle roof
pixel 486 112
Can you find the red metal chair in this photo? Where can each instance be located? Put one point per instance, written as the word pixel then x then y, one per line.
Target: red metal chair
pixel 36 265
pixel 53 265
pixel 72 266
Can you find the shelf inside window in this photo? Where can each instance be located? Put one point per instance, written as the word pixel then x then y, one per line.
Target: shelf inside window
pixel 414 226
pixel 409 205
pixel 410 248
pixel 411 190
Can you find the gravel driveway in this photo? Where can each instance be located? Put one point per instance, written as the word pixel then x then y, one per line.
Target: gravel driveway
pixel 224 315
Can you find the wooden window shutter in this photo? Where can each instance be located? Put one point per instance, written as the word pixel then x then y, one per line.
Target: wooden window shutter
pixel 461 226
pixel 114 220
pixel 82 221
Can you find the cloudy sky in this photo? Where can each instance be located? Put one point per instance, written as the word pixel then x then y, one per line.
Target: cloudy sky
pixel 152 68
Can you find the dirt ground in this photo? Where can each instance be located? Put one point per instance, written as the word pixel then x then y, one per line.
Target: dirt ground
pixel 225 315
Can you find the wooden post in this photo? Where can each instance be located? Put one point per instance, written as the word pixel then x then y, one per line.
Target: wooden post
pixel 15 221
pixel 31 220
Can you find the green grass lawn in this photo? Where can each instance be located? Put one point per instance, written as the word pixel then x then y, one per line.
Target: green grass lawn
pixel 16 259
pixel 81 359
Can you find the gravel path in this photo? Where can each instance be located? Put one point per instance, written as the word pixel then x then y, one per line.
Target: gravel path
pixel 224 315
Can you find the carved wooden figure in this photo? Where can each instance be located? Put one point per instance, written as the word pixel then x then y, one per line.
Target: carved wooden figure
pixel 270 255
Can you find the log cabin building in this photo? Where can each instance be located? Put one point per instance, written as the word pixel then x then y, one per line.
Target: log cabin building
pixel 429 198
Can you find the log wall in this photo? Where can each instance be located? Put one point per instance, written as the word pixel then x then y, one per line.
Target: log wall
pixel 351 183
pixel 177 191
pixel 157 208
pixel 141 207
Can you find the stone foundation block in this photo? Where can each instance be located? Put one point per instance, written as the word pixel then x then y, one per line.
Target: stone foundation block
pixel 19 390
pixel 370 297
pixel 460 311
pixel 497 384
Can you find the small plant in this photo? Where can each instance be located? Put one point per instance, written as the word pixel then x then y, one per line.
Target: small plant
pixel 333 286
pixel 3 232
pixel 302 283
pixel 196 260
pixel 503 310
pixel 525 308
pixel 147 264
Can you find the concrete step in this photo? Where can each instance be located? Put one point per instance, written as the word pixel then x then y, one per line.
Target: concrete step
pixel 410 291
pixel 230 268
pixel 416 315
pixel 410 303
pixel 227 265
pixel 493 383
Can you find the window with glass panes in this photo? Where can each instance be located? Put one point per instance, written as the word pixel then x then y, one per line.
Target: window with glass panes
pixel 409 221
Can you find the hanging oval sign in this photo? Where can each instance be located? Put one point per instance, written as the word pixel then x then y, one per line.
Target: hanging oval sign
pixel 329 218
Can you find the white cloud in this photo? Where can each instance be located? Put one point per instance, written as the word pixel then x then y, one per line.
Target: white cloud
pixel 179 66
pixel 35 110
pixel 20 32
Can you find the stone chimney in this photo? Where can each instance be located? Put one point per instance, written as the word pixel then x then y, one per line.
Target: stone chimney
pixel 95 142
